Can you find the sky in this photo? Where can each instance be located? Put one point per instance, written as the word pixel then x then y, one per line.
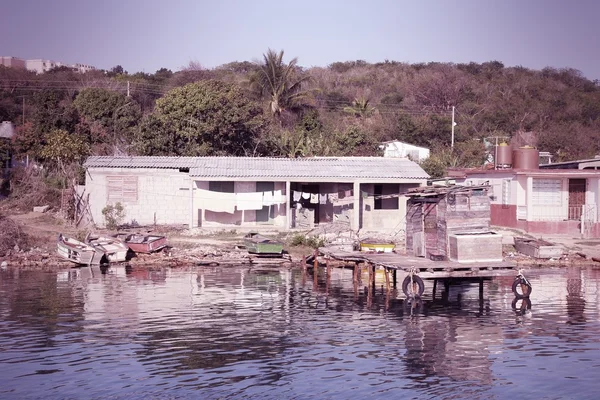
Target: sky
pixel 146 35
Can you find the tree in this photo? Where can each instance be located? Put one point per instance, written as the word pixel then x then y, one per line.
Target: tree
pixel 117 114
pixel 202 118
pixel 360 108
pixel 62 148
pixel 279 83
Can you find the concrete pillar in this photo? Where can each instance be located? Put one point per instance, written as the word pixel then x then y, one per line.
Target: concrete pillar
pixel 288 205
pixel 529 198
pixel 356 210
pixel 192 184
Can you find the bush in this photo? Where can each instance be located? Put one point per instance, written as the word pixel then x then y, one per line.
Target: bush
pixel 113 215
pixel 309 241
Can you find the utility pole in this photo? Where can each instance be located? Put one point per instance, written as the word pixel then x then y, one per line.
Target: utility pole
pixel 453 124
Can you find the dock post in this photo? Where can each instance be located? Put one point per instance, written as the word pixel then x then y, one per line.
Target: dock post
pixel 480 289
pixel 315 270
pixel 387 280
pixel 328 275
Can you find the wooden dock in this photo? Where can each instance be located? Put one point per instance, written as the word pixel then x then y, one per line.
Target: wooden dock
pixel 424 267
pixel 415 269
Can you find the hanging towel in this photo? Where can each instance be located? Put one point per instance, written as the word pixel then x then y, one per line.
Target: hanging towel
pixel 314 198
pixel 323 198
pixel 249 201
pixel 218 201
pixel 305 195
pixel 332 197
pixel 277 197
pixel 268 198
pixel 297 196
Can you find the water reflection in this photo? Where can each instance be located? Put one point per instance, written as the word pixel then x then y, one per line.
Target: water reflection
pixel 247 332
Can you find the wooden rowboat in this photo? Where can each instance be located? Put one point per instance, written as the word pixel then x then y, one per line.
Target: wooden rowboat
pixel 262 245
pixel 142 243
pixel 114 248
pixel 377 246
pixel 78 252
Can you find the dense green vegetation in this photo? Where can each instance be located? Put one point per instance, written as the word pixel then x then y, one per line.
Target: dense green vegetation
pixel 276 108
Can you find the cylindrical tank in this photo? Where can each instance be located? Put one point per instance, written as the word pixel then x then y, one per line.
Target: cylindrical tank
pixel 503 156
pixel 526 157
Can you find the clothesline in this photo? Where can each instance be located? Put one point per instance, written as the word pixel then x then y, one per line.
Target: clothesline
pixel 243 201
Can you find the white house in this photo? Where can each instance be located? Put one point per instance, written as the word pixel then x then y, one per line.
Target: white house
pixel 360 192
pixel 401 149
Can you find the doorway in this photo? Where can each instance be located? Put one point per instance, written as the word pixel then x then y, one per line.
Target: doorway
pixel 577 188
pixel 266 215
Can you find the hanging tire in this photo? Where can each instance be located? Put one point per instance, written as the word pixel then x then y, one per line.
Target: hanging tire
pixel 522 307
pixel 416 289
pixel 521 289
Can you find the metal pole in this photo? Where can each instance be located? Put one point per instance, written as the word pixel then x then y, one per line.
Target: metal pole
pixel 452 141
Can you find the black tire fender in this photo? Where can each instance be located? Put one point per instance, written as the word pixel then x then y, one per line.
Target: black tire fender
pixel 408 292
pixel 516 283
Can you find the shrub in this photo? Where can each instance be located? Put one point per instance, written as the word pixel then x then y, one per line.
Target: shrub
pixel 113 215
pixel 309 241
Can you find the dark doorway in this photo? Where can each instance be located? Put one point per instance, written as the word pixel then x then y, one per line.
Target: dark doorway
pixel 266 215
pixel 312 189
pixel 577 189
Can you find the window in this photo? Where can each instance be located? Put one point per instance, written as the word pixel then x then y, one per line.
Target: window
pixel 223 187
pixel 547 192
pixel 386 197
pixel 122 189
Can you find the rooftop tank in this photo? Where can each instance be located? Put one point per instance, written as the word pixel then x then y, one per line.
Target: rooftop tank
pixel 503 156
pixel 526 157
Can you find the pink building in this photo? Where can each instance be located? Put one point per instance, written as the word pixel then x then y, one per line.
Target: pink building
pixel 557 198
pixel 12 62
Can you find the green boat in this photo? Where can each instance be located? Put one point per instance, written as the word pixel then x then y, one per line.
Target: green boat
pixel 262 245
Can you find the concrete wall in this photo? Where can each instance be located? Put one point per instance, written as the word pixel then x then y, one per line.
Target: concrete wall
pixel 163 196
pixel 391 220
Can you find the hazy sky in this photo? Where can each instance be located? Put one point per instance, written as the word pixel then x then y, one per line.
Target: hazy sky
pixel 145 35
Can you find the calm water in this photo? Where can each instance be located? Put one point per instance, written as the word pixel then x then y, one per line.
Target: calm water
pixel 274 334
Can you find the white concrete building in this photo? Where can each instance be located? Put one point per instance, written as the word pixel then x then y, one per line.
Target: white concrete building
pixel 254 192
pixel 40 66
pixel 401 149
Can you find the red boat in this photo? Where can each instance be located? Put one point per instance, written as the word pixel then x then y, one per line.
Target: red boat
pixel 142 243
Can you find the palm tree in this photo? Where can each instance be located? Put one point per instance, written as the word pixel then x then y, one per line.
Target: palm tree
pixel 360 108
pixel 279 83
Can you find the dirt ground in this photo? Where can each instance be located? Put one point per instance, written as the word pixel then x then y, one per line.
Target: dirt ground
pixel 29 238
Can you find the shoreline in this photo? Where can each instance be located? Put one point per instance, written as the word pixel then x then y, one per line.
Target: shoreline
pixel 212 247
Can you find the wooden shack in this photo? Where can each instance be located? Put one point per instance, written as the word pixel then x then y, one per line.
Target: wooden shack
pixel 451 223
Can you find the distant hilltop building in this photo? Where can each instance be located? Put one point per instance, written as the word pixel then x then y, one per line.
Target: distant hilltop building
pixel 394 148
pixel 39 66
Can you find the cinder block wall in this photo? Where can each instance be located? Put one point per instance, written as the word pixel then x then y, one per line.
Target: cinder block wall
pixel 163 196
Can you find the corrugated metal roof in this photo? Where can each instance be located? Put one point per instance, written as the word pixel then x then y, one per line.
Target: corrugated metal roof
pixel 269 167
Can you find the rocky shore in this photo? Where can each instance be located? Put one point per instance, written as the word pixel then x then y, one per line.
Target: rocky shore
pixel 28 241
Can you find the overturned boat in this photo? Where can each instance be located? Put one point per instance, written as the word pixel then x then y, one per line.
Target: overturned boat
pixel 262 245
pixel 114 248
pixel 78 252
pixel 142 243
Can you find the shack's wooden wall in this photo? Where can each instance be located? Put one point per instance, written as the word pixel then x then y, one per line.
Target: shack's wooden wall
pixel 439 217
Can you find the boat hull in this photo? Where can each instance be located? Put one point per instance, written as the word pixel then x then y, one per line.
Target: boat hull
pixel 78 252
pixel 140 243
pixel 114 248
pixel 377 247
pixel 257 244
